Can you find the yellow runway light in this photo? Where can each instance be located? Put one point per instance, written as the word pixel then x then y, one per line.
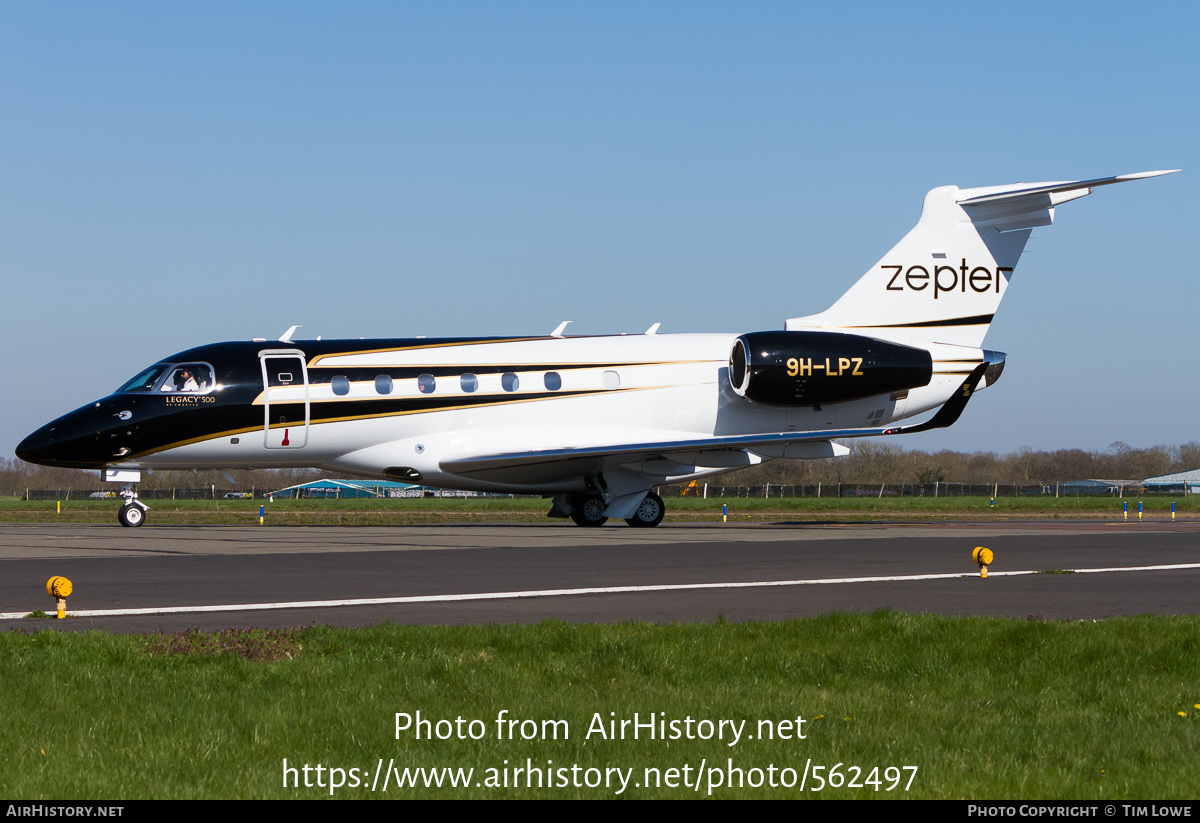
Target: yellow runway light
pixel 59 588
pixel 983 557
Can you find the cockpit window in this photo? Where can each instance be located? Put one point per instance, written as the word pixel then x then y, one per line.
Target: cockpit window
pixel 193 378
pixel 146 379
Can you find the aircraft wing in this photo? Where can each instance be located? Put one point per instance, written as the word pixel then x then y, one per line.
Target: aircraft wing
pixel 678 457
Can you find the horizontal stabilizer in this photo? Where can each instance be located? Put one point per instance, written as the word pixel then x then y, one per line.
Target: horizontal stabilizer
pixel 1020 190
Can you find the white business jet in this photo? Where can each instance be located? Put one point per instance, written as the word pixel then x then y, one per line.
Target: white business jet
pixel 594 422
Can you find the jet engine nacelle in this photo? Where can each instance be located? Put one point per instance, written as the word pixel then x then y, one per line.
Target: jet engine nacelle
pixel 812 368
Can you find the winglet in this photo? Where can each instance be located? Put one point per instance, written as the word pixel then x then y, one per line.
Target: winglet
pixel 561 328
pixel 287 335
pixel 952 409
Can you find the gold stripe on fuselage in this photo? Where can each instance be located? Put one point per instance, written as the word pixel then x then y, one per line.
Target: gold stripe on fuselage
pixel 377 415
pixel 465 369
pixel 430 345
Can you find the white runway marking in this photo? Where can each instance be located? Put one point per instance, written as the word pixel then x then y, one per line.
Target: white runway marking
pixel 446 598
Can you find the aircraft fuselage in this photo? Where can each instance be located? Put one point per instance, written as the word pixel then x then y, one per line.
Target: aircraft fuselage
pixel 399 408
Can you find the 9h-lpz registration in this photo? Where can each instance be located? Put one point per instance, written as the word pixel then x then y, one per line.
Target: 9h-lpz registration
pixel 802 368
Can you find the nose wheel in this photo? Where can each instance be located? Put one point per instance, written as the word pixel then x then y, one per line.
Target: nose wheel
pixel 133 513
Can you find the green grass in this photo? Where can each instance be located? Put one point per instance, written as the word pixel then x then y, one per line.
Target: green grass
pixel 533 510
pixel 984 707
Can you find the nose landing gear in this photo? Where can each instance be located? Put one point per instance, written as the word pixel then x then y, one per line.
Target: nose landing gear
pixel 133 513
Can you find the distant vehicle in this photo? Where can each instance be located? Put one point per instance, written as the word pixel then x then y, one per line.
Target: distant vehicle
pixel 238 495
pixel 102 495
pixel 596 422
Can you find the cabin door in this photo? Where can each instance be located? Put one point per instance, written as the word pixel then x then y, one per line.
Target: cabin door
pixel 285 399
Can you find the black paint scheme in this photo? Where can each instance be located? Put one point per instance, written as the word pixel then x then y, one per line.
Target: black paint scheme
pixel 124 426
pixel 810 368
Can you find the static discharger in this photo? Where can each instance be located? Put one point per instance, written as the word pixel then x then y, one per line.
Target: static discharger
pixel 983 557
pixel 59 588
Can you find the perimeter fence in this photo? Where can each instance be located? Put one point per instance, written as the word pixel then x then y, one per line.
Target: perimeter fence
pixel 880 490
pixel 700 490
pixel 217 493
pixel 99 493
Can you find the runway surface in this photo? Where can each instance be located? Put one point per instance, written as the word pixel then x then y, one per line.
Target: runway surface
pixel 463 574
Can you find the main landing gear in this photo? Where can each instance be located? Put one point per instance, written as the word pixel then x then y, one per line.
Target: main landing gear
pixel 133 513
pixel 588 510
pixel 650 512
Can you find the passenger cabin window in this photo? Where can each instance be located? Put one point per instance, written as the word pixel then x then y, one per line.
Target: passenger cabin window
pixel 383 384
pixel 188 378
pixel 509 381
pixel 468 382
pixel 426 384
pixel 340 384
pixel 553 381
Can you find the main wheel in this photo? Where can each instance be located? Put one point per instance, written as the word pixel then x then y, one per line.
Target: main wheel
pixel 588 511
pixel 650 512
pixel 131 515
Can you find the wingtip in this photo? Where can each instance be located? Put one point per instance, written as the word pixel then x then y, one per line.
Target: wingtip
pixel 1141 175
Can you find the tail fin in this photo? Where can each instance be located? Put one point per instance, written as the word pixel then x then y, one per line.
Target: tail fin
pixel 944 281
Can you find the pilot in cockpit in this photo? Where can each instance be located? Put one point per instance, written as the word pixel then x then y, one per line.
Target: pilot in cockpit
pixel 187 380
pixel 182 380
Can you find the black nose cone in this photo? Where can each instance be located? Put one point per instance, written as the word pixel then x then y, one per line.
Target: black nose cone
pixel 72 441
pixel 38 447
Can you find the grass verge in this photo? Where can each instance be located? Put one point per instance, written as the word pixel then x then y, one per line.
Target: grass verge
pixel 533 510
pixel 983 707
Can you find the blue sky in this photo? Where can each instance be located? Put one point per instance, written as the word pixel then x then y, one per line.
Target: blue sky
pixel 173 174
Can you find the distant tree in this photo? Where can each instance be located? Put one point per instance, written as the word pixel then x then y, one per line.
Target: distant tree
pixel 931 474
pixel 1188 457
